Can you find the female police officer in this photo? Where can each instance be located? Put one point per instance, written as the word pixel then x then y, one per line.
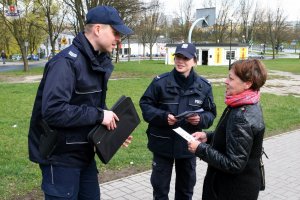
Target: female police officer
pixel 168 95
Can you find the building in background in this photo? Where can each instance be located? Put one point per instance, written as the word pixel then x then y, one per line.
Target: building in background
pixel 212 53
pixel 64 40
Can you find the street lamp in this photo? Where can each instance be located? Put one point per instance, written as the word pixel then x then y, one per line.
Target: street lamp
pixel 230 43
pixel 204 24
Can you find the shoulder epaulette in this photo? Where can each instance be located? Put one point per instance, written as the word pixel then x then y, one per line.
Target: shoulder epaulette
pixel 158 77
pixel 71 53
pixel 204 80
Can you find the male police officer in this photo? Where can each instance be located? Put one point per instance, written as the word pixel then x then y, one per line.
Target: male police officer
pixel 71 100
pixel 167 96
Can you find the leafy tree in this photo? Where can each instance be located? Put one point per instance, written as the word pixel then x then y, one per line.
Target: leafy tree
pixel 54 13
pixel 21 26
pixel 127 9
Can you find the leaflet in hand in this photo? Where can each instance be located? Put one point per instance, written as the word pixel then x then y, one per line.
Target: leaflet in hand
pixel 189 113
pixel 184 134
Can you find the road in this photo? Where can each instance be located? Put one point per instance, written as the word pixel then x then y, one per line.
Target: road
pixel 10 66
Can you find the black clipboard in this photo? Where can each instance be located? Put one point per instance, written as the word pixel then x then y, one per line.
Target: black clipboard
pixel 107 142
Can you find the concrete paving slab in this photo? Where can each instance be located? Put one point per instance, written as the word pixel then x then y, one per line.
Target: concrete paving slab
pixel 282 174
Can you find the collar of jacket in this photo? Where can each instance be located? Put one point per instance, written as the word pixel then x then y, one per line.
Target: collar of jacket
pixel 101 62
pixel 173 87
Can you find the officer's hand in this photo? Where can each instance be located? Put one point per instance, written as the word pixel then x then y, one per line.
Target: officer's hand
pixel 127 141
pixel 194 119
pixel 171 119
pixel 109 120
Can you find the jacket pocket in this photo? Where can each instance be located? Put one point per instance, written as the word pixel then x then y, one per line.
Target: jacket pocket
pixel 160 143
pixel 76 139
pixel 90 96
pixel 87 89
pixel 58 182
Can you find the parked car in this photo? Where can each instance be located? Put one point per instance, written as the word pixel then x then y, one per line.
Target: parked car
pixel 16 57
pixel 255 56
pixel 33 57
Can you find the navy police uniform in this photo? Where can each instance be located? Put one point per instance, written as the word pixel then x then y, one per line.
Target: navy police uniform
pixel 167 94
pixel 71 99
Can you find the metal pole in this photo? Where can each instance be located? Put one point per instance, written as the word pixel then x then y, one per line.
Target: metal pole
pixel 193 26
pixel 230 44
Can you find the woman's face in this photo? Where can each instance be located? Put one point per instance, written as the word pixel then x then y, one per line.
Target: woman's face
pixel 234 85
pixel 184 65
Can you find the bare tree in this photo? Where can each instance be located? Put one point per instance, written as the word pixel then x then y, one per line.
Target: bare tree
pixel 222 21
pixel 185 17
pixel 258 16
pixel 245 8
pixel 179 28
pixel 276 26
pixel 174 31
pixel 148 28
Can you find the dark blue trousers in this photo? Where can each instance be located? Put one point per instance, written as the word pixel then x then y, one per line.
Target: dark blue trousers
pixel 161 176
pixel 67 183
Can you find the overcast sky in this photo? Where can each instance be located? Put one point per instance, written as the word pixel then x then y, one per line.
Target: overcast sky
pixel 291 7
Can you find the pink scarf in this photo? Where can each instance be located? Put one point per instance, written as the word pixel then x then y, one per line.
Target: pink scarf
pixel 245 98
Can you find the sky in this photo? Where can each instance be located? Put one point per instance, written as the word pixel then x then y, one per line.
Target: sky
pixel 291 7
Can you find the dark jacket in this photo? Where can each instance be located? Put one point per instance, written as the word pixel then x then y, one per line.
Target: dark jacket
pixel 165 96
pixel 70 98
pixel 3 55
pixel 233 153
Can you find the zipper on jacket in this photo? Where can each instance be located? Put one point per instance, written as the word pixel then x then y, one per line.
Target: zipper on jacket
pixel 220 122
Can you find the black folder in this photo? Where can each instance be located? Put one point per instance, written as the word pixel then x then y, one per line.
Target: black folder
pixel 107 142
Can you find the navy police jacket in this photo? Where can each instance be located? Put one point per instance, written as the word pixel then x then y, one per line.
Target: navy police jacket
pixel 165 96
pixel 71 99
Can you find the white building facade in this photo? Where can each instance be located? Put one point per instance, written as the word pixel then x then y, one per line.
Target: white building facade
pixel 63 41
pixel 212 53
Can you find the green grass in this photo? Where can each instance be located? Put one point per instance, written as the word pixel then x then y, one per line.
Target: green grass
pixel 285 64
pixel 19 176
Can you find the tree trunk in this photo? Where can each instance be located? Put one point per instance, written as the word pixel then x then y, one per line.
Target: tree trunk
pixel 52 42
pixel 25 61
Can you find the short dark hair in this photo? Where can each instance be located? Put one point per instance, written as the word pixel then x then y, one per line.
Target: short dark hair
pixel 252 70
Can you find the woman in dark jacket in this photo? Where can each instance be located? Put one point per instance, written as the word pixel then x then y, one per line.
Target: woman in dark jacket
pixel 233 151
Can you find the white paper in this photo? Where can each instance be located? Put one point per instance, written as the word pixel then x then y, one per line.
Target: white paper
pixel 184 134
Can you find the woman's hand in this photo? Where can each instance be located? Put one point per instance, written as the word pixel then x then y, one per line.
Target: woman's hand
pixel 200 136
pixel 192 145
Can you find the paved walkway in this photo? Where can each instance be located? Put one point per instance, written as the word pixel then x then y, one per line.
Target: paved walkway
pixel 282 175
